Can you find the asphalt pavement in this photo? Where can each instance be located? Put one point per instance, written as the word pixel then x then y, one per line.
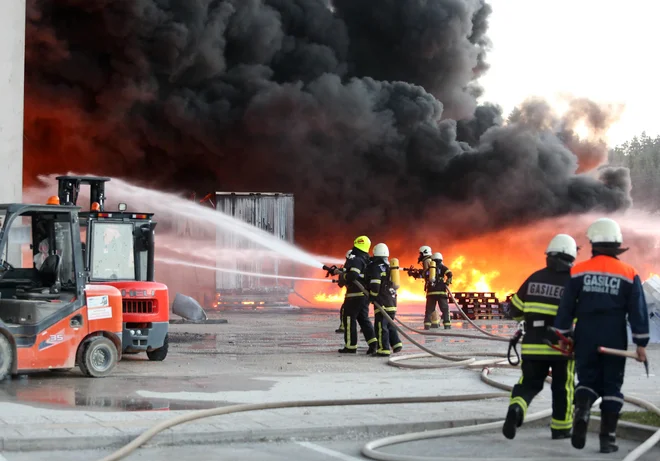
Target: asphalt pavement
pixel 489 446
pixel 272 357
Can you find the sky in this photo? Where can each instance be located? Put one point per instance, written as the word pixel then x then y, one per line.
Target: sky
pixel 600 50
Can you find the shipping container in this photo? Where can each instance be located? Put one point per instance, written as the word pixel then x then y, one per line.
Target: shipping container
pixel 269 212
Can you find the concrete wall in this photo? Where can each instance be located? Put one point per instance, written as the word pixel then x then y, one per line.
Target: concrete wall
pixel 12 77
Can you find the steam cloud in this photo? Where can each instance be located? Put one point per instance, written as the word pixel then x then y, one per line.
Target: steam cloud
pixel 350 106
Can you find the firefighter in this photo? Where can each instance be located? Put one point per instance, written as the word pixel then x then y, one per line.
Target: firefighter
pixel 356 304
pixel 603 294
pixel 341 309
pixel 536 303
pixel 438 291
pixel 430 317
pixel 383 291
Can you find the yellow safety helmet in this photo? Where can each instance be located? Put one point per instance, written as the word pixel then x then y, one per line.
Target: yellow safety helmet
pixel 362 243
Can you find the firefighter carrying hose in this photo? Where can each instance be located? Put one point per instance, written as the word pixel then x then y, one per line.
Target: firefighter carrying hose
pixel 437 291
pixel 356 304
pixel 341 309
pixel 603 294
pixel 382 289
pixel 536 302
pixel 428 270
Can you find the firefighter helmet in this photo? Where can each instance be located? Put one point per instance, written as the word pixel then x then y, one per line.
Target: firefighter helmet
pixel 362 243
pixel 437 256
pixel 425 250
pixel 381 251
pixel 562 243
pixel 605 230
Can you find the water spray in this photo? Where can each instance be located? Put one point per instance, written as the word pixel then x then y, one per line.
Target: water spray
pixel 238 272
pixel 173 207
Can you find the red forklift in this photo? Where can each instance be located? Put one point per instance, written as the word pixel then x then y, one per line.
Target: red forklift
pixel 50 319
pixel 118 250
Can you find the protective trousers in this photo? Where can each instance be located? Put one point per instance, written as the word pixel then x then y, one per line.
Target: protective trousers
pixel 431 320
pixel 534 373
pixel 385 333
pixel 356 310
pixel 341 317
pixel 600 375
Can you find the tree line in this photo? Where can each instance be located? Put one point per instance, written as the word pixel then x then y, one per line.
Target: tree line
pixel 642 156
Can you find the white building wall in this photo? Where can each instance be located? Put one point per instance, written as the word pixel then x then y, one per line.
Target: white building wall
pixel 12 78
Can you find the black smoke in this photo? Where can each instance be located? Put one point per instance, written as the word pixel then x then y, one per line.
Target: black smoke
pixel 349 104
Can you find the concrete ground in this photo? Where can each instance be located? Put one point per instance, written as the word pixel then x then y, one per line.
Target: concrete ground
pixel 473 447
pixel 269 357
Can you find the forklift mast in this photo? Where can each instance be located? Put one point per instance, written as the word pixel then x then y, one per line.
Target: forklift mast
pixel 69 187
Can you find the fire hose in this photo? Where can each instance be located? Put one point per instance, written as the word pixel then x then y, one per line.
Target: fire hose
pixel 370 449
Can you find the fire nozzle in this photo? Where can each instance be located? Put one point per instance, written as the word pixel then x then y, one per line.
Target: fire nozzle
pixel 330 271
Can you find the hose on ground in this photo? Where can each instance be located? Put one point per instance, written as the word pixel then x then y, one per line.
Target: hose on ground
pixel 369 450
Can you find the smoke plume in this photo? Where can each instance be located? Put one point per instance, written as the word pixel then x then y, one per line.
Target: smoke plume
pixel 350 106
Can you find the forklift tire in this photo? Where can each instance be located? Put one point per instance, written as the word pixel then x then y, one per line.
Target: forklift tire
pixel 158 355
pixel 99 357
pixel 6 357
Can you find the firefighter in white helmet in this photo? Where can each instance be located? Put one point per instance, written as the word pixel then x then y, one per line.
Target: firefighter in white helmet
pixel 604 295
pixel 536 302
pixel 341 309
pixel 437 292
pixel 425 258
pixel 383 291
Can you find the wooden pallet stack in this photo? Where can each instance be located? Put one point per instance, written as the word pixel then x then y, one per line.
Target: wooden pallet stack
pixel 479 306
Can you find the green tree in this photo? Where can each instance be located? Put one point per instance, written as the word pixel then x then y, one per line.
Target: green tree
pixel 642 156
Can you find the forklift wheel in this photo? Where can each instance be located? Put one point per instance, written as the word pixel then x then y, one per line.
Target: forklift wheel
pixel 158 355
pixel 6 357
pixel 99 357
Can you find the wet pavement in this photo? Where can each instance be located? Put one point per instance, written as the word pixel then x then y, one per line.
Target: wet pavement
pixel 255 358
pixel 112 394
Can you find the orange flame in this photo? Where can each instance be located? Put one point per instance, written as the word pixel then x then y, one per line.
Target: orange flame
pixel 465 279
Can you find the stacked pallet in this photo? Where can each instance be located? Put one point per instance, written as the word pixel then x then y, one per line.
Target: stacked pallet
pixel 479 306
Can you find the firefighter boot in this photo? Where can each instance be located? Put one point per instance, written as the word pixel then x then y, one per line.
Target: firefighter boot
pixel 581 421
pixel 339 330
pixel 560 434
pixel 373 348
pixel 346 350
pixel 514 419
pixel 608 423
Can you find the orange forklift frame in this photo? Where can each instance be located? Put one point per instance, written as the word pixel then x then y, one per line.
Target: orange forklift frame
pixel 49 318
pixel 145 302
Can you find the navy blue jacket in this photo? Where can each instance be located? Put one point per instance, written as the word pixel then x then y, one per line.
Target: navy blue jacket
pixel 604 294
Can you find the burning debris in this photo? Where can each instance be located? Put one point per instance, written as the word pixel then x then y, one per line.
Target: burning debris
pixel 346 106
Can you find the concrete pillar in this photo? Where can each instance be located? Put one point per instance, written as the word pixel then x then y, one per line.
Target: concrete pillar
pixel 12 78
pixel 12 83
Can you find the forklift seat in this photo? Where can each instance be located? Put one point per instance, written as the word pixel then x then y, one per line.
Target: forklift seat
pixel 49 281
pixel 49 272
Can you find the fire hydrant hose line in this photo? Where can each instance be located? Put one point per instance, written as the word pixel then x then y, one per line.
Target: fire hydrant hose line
pixel 370 449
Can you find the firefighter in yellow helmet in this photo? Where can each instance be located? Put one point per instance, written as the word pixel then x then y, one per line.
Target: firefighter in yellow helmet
pixel 341 309
pixel 356 304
